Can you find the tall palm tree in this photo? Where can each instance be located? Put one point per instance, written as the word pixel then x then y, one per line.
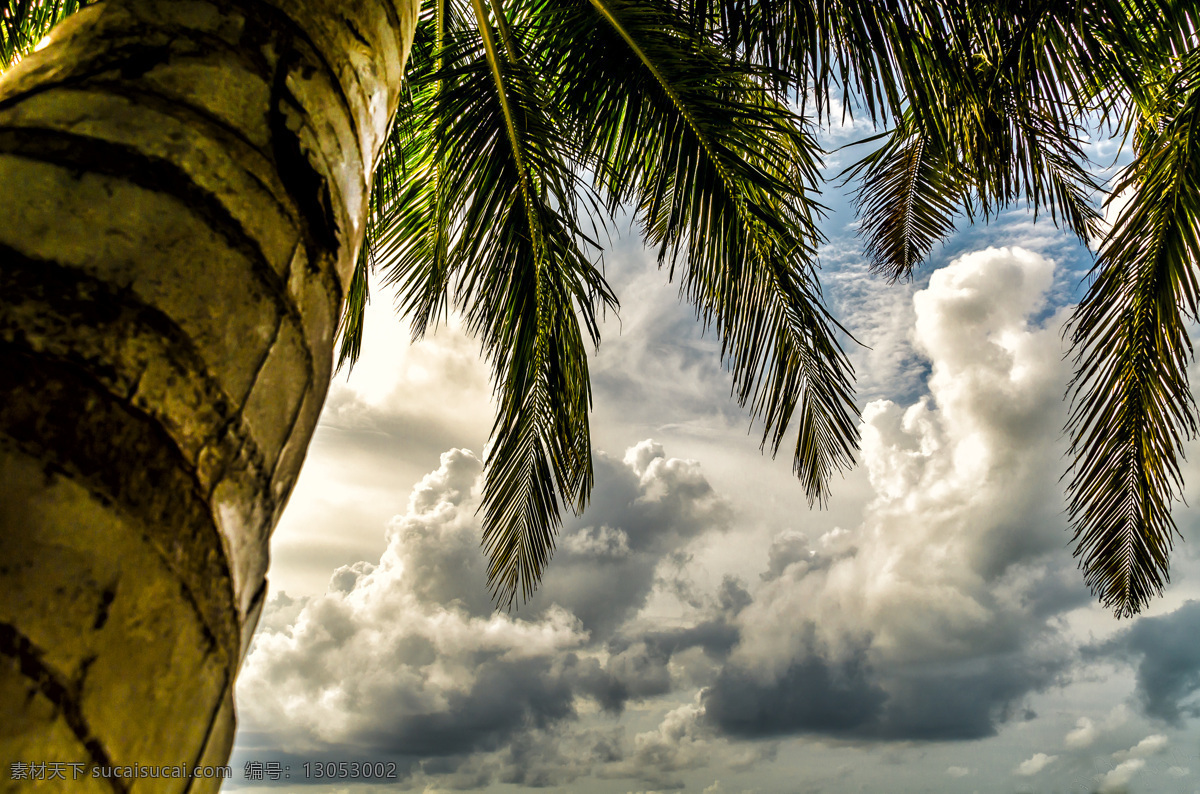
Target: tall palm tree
pixel 205 188
pixel 186 186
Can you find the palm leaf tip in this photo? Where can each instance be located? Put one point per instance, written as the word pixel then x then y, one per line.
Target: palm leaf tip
pixel 906 201
pixel 352 323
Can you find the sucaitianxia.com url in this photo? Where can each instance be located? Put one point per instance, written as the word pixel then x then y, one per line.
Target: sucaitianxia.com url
pixel 57 770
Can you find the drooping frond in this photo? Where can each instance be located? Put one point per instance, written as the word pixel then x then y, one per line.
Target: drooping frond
pixel 351 326
pixel 489 213
pixel 1132 406
pixel 723 178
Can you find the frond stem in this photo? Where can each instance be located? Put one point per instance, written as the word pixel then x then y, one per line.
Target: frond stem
pixel 607 13
pixel 910 201
pixel 505 31
pixel 489 46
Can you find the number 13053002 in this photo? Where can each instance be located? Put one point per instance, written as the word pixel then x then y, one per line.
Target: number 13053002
pixel 345 770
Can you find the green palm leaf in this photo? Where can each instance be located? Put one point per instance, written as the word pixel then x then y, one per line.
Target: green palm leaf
pixel 489 213
pixel 1132 406
pixel 722 175
pixel 907 198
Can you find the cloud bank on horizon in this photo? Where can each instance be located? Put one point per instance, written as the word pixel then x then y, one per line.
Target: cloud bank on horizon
pixel 942 640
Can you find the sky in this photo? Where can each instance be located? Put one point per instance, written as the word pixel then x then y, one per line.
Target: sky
pixel 701 628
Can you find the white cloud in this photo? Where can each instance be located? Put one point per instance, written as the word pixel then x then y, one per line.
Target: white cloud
pixel 958 771
pixel 1086 730
pixel 1116 779
pixel 959 476
pixel 407 658
pixel 1151 745
pixel 1082 736
pixel 1031 766
pixel 601 541
pixel 377 646
pixel 960 551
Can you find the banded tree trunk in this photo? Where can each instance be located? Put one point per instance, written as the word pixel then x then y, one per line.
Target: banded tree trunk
pixel 182 195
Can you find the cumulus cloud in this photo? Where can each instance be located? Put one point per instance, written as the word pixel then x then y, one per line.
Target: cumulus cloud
pixel 1151 745
pixel 1086 730
pixel 400 659
pixel 679 742
pixel 1116 780
pixel 643 508
pixel 407 660
pixel 933 614
pixel 813 694
pixel 930 619
pixel 1031 766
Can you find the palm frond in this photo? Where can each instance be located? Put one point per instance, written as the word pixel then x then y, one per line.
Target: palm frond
pixel 1132 407
pixel 907 198
pixel 994 117
pixel 489 213
pixel 352 323
pixel 722 175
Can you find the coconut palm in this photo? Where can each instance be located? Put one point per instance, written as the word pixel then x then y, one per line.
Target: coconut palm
pixel 205 188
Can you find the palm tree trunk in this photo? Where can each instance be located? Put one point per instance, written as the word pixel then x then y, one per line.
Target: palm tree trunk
pixel 182 194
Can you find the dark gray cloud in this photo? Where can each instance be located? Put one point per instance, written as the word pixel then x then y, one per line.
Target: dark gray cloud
pixel 639 663
pixel 642 509
pixel 1166 652
pixel 847 697
pixel 813 695
pixel 506 698
pixel 966 701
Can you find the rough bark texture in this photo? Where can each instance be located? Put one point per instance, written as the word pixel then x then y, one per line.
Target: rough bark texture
pixel 182 191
